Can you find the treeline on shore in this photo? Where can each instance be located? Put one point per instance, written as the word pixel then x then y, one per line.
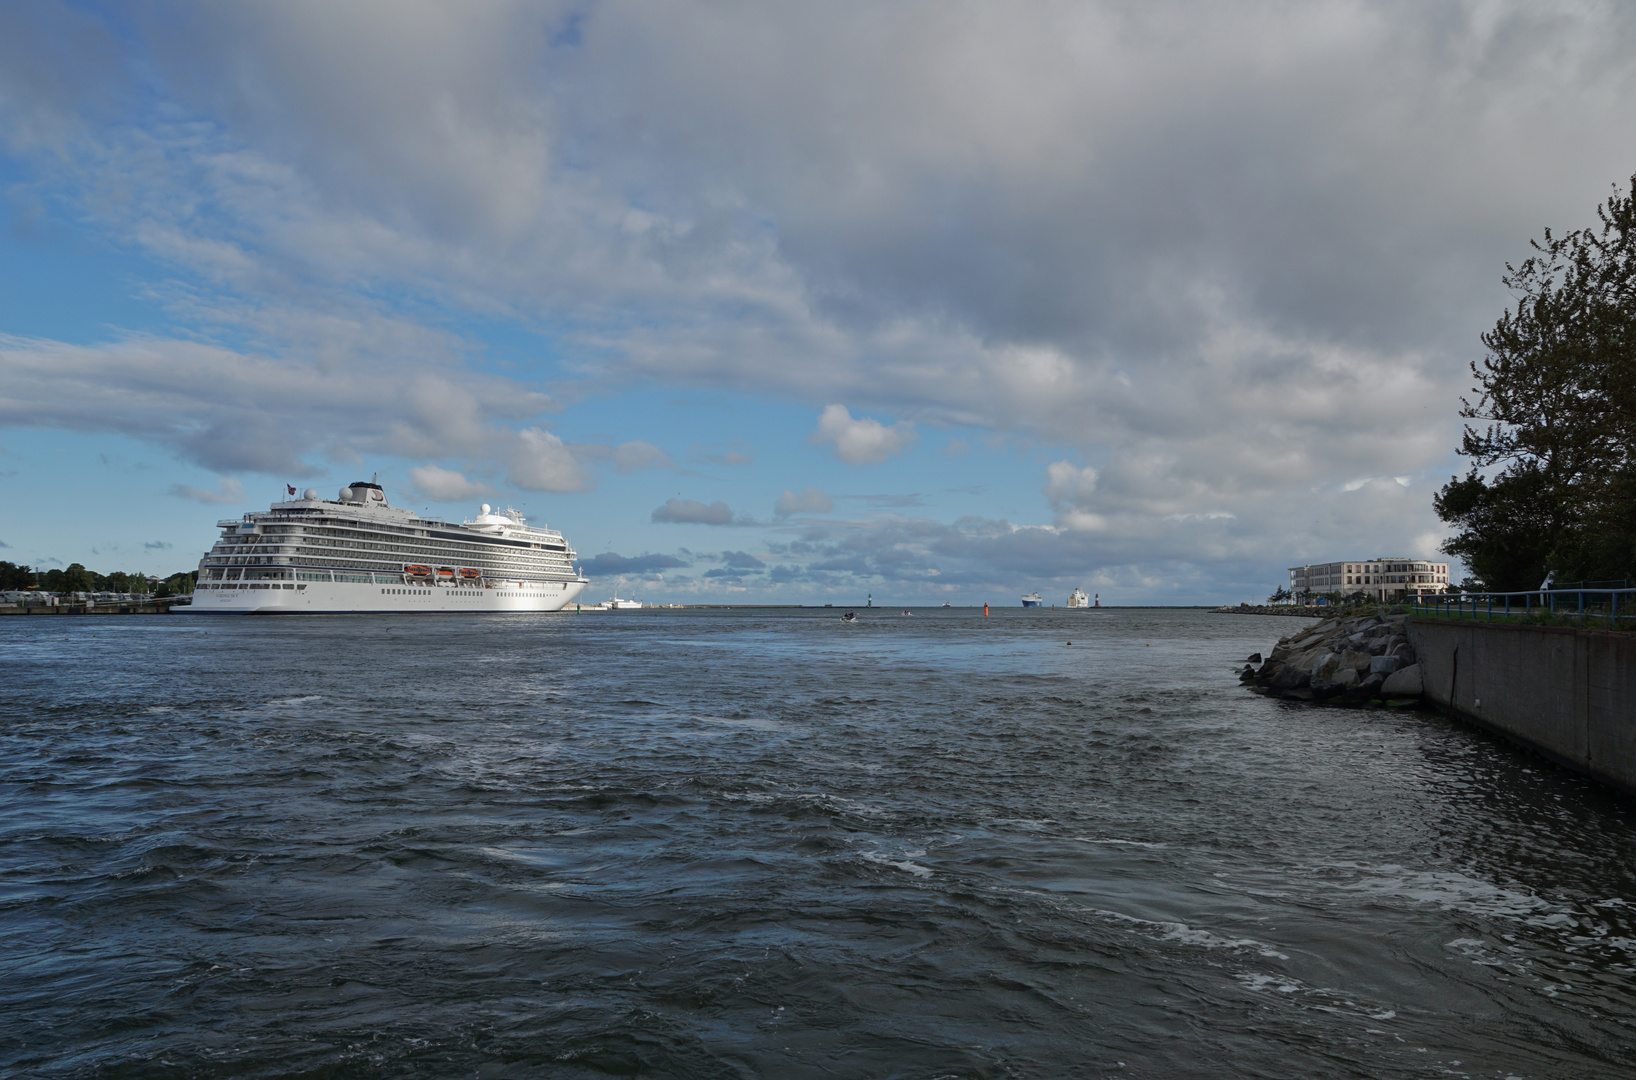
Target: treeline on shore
pixel 77 579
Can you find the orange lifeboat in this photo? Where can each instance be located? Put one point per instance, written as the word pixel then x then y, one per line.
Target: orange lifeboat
pixel 445 573
pixel 416 570
pixel 471 574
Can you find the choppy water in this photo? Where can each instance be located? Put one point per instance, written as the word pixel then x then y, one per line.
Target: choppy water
pixel 736 844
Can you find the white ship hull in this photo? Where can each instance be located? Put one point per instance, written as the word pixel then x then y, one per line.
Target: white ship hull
pixel 339 598
pixel 358 553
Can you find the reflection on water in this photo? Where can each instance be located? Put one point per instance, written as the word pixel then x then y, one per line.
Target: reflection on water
pixel 768 843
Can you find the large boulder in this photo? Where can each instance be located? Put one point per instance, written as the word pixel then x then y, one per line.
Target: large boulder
pixel 1369 685
pixel 1347 659
pixel 1289 678
pixel 1356 659
pixel 1404 683
pixel 1344 680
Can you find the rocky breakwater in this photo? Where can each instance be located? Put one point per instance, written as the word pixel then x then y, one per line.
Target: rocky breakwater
pixel 1343 660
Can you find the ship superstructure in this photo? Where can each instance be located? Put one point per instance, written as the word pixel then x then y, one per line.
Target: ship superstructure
pixel 357 552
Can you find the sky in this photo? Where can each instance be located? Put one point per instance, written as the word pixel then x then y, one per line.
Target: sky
pixel 783 303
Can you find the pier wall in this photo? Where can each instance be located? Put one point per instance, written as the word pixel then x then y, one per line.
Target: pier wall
pixel 1568 694
pixel 85 609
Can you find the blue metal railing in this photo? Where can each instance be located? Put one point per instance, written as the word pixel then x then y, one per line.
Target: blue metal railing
pixel 1587 604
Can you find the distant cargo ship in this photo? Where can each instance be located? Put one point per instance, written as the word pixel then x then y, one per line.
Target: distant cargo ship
pixel 359 553
pixel 1031 599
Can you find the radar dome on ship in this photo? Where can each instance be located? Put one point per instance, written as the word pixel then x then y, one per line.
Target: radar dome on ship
pixel 345 495
pixel 310 493
pixel 486 508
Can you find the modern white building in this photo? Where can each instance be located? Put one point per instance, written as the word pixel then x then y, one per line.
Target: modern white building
pixel 1382 579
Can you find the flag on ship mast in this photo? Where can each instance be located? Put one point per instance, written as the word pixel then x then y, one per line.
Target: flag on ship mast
pixel 290 489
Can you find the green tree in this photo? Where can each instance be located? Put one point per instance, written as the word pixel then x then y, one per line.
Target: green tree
pixel 1552 482
pixel 76 578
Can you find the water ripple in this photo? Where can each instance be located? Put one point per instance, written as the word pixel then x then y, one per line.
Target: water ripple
pixel 745 843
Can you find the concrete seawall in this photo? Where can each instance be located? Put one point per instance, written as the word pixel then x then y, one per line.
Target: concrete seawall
pixel 1568 694
pixel 85 609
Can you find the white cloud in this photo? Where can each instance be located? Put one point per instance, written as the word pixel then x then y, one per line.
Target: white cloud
pixel 810 501
pixel 233 410
pixel 1069 484
pixel 445 485
pixel 540 461
pixel 228 490
pixel 861 441
pixel 630 456
pixel 1238 256
pixel 693 512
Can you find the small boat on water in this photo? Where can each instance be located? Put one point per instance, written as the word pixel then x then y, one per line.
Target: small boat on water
pixel 1031 599
pixel 947 604
pixel 849 617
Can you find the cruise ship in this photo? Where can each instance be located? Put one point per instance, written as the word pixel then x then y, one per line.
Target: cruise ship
pixel 358 553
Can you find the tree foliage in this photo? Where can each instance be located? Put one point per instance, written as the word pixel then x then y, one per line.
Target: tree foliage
pixel 76 578
pixel 1552 483
pixel 13 576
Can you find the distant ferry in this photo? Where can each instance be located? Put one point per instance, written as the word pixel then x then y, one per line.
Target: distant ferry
pixel 1031 599
pixel 616 604
pixel 1078 599
pixel 358 553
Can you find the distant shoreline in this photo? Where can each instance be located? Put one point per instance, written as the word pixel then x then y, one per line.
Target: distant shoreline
pixel 936 607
